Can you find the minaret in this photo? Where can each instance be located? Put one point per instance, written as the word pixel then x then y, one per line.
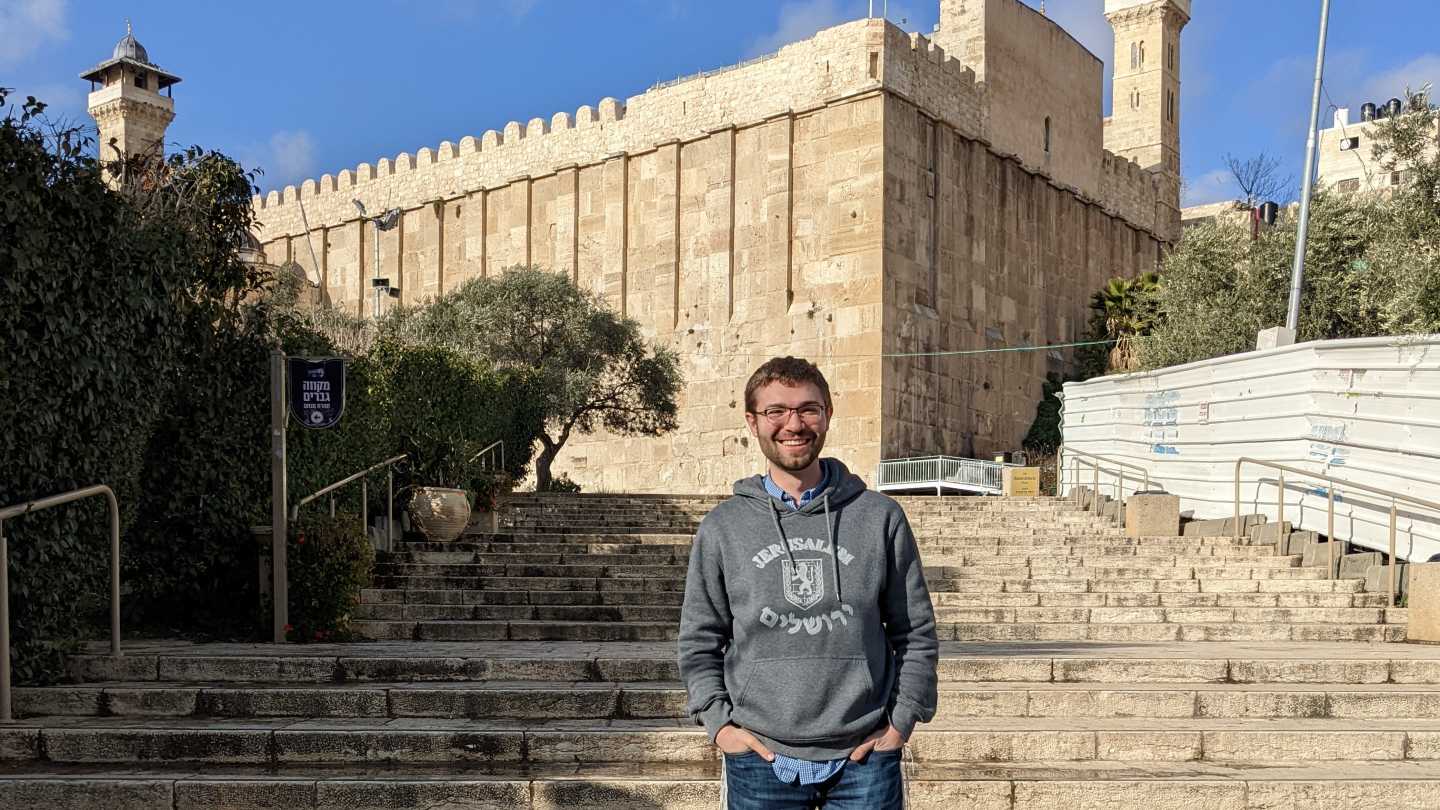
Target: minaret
pixel 127 105
pixel 1144 125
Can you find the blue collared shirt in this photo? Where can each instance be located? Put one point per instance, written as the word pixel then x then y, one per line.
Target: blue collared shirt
pixel 790 769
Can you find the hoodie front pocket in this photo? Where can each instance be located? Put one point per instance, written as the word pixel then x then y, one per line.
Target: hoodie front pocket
pixel 802 699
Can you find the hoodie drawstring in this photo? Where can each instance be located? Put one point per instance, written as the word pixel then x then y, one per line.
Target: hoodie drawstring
pixel 834 549
pixel 829 535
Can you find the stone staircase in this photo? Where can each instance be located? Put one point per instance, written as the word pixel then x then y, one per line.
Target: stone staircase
pixel 535 667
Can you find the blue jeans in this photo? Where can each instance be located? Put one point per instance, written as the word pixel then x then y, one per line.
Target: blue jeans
pixel 874 784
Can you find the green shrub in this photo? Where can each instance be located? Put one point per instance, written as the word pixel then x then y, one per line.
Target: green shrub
pixel 103 294
pixel 445 407
pixel 330 560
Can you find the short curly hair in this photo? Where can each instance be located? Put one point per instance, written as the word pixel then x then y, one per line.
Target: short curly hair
pixel 789 370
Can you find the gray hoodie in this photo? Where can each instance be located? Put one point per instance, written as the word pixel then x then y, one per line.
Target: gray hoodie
pixel 809 628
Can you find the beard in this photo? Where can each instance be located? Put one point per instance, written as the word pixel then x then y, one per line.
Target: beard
pixel 792 459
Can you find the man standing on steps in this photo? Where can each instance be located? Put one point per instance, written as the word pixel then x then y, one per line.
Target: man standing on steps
pixel 807 639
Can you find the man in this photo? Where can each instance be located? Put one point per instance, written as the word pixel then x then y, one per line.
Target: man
pixel 807 638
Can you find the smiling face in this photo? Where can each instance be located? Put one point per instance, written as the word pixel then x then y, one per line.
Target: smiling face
pixel 794 441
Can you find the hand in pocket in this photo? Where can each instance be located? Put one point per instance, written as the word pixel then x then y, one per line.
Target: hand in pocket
pixel 735 740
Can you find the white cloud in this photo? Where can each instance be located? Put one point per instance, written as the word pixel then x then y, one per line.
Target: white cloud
pixel 1412 76
pixel 1213 186
pixel 287 158
pixel 28 25
pixel 799 20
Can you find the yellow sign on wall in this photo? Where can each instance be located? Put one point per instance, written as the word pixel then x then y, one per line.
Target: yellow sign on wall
pixel 1021 481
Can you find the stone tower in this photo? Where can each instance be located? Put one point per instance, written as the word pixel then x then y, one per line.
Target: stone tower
pixel 1144 125
pixel 130 100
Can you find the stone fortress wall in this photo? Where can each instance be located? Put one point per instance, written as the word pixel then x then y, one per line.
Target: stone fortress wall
pixel 775 207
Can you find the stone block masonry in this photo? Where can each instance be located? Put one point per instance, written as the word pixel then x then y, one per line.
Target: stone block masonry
pixel 837 200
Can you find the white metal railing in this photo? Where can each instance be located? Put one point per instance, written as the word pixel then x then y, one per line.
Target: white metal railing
pixel 1394 497
pixel 942 472
pixel 35 506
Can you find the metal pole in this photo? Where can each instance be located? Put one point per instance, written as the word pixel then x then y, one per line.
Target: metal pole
pixel 390 511
pixel 1280 522
pixel 279 516
pixel 375 312
pixel 1120 492
pixel 114 572
pixel 1095 492
pixel 1297 276
pixel 4 627
pixel 1394 563
pixel 364 507
pixel 1330 530
pixel 1235 527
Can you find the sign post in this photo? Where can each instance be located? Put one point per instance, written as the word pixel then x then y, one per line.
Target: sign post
pixel 279 508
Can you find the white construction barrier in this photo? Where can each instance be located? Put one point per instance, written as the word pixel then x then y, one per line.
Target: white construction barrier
pixel 1364 410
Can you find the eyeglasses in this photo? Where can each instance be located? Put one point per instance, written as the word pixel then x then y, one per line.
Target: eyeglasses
pixel 810 413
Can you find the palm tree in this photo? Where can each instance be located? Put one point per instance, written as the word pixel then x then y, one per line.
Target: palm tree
pixel 1124 310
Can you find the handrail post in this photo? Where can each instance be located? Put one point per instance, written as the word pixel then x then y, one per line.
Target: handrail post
pixel 1095 493
pixel 6 713
pixel 365 507
pixel 279 515
pixel 114 573
pixel 1235 527
pixel 1330 529
pixel 390 509
pixel 1394 564
pixel 1120 493
pixel 4 626
pixel 1280 522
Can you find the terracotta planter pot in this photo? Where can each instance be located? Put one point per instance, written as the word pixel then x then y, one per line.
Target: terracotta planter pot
pixel 440 514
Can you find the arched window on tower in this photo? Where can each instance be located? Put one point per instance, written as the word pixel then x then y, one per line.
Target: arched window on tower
pixel 1142 53
pixel 1134 55
pixel 1047 134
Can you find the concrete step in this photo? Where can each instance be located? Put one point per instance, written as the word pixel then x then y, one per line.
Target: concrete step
pixel 981 785
pixel 531 700
pixel 430 741
pixel 1121 585
pixel 1307 663
pixel 1159 600
pixel 473 597
pixel 545 613
pixel 1168 631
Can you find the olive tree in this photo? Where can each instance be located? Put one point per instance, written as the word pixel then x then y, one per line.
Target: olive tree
pixel 588 367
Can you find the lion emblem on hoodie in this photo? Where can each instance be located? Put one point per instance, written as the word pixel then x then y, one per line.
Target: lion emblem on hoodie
pixel 804 583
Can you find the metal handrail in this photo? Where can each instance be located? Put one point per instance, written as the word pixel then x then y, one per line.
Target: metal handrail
pixel 491 446
pixel 35 506
pixel 364 497
pixel 1394 497
pixel 1097 463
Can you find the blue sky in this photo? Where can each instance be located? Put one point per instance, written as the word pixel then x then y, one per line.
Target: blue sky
pixel 301 88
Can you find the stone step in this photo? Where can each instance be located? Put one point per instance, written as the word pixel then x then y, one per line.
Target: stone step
pixel 544 613
pixel 1160 600
pixel 572 662
pixel 430 741
pixel 1168 631
pixel 530 700
pixel 1127 585
pixel 376 596
pixel 1052 625
pixel 981 785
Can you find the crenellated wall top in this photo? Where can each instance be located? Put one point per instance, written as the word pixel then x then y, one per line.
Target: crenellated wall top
pixel 838 62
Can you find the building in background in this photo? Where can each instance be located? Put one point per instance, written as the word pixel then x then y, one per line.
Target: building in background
pixel 132 104
pixel 867 198
pixel 1346 151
